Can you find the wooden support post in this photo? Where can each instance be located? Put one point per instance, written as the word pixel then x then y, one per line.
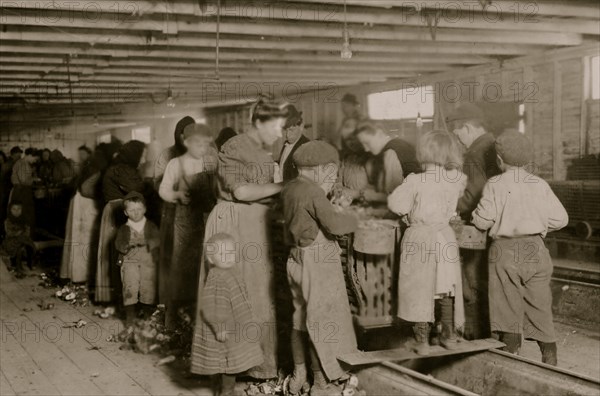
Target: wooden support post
pixel 585 94
pixel 529 110
pixel 558 167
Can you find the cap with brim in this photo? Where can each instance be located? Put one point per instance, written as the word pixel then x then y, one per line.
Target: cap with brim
pixel 465 112
pixel 316 153
pixel 133 195
pixel 294 117
pixel 349 98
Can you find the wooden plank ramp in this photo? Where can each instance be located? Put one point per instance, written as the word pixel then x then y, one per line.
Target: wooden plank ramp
pixel 399 354
pixel 52 359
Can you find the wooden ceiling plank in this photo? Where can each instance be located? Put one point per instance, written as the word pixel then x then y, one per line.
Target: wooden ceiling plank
pixel 458 32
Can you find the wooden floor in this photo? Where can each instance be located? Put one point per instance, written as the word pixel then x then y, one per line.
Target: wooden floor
pixel 39 356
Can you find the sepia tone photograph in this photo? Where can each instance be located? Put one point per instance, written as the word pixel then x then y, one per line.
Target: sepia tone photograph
pixel 300 197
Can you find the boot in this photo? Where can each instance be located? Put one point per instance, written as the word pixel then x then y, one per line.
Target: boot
pixel 298 380
pixel 549 352
pixel 227 385
pixel 421 330
pixel 321 387
pixel 512 341
pixel 130 315
pixel 448 338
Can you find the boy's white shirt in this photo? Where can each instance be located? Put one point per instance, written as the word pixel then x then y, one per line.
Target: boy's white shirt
pixel 139 226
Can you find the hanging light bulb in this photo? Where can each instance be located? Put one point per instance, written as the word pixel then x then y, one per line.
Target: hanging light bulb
pixel 419 121
pixel 346 51
pixel 170 100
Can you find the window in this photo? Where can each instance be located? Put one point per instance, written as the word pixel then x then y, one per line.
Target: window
pixel 595 70
pixel 103 138
pixel 143 134
pixel 407 103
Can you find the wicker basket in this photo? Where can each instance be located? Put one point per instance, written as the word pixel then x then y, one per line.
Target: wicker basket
pixel 377 237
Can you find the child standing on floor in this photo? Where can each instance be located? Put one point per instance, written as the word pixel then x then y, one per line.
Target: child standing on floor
pixel 137 243
pixel 430 262
pixel 519 208
pixel 17 241
pixel 314 270
pixel 227 343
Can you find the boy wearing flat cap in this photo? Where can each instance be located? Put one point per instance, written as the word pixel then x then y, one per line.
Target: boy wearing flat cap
pixel 519 208
pixel 137 243
pixel 315 271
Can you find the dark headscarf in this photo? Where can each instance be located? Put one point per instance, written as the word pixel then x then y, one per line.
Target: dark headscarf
pixel 21 220
pixel 178 147
pixel 224 136
pixel 131 153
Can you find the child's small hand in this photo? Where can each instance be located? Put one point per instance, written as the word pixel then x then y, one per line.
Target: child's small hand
pixel 221 336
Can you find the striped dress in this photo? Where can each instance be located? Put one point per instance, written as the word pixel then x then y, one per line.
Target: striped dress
pixel 225 306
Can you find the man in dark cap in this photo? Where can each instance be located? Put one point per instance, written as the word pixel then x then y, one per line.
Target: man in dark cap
pixel 467 122
pixel 294 138
pixel 347 142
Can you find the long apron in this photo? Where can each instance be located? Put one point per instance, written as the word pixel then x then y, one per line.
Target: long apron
pixel 322 309
pixel 188 230
pixel 249 225
pixel 429 265
pixel 166 250
pixel 107 278
pixel 81 239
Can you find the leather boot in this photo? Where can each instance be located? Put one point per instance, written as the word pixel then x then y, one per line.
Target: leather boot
pixel 448 338
pixel 512 341
pixel 549 352
pixel 421 330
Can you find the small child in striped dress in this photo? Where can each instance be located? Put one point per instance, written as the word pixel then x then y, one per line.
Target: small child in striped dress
pixel 228 343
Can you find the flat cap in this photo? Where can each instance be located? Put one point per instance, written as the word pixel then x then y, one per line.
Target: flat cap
pixel 316 153
pixel 466 111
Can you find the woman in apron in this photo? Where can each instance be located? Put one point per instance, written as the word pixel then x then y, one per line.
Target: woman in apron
pixel 83 222
pixel 120 179
pixel 167 209
pixel 245 172
pixel 188 184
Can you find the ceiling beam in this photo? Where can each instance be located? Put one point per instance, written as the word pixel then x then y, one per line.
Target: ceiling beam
pixel 32 49
pixel 43 36
pixel 506 15
pixel 466 33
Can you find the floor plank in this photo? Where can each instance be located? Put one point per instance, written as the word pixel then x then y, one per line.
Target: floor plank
pixel 5 388
pixel 38 340
pixel 106 377
pixel 148 378
pixel 22 373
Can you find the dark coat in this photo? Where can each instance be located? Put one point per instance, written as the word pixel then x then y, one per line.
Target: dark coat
pixel 289 168
pixel 151 237
pixel 479 165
